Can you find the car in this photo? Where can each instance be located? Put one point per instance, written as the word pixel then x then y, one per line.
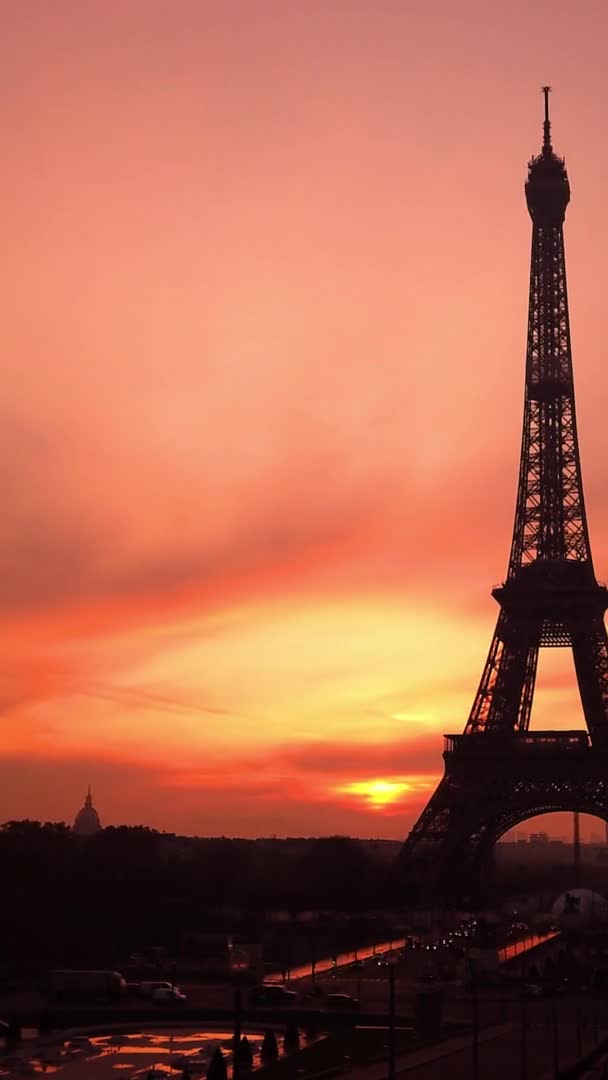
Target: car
pixel 533 990
pixel 272 994
pixel 340 1001
pixel 169 993
pixel 80 1044
pixel 147 989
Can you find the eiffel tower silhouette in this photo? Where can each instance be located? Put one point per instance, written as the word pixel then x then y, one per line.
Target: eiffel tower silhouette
pixel 498 773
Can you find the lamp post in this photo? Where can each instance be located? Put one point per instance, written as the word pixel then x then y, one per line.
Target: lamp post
pixel 474 1022
pixel 239 961
pixel 238 1016
pixel 579 1028
pixel 391 1019
pixel 524 1039
pixel 555 1040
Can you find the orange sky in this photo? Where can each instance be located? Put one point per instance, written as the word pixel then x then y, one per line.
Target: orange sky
pixel 265 270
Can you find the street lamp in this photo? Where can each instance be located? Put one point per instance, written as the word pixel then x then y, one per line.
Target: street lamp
pixel 391 1017
pixel 524 1037
pixel 238 962
pixel 474 1021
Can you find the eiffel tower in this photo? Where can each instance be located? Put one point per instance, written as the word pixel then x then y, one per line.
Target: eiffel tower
pixel 498 773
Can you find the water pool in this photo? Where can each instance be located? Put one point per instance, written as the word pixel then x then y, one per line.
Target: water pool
pixel 105 1056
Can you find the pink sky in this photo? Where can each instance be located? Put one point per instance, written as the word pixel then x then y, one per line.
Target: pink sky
pixel 265 269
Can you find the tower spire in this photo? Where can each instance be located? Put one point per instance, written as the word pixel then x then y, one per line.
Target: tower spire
pixel 547 148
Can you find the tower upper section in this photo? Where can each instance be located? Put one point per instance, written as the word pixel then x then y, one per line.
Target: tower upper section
pixel 547 187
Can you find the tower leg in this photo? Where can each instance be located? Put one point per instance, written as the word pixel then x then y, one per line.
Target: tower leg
pixel 504 699
pixel 439 856
pixel 590 651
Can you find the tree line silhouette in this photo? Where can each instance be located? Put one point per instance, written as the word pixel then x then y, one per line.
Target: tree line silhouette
pixel 74 901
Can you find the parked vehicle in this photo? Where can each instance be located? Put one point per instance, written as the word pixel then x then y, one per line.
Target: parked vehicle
pixel 340 1001
pixel 271 994
pixel 147 989
pixel 169 993
pixel 81 1044
pixel 105 985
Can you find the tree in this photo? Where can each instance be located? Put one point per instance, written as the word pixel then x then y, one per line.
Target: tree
pixel 217 1068
pixel 245 1053
pixel 291 1040
pixel 270 1048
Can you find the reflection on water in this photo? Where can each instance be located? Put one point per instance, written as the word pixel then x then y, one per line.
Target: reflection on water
pixel 141 1055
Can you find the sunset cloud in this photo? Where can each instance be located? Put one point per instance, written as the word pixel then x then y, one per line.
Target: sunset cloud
pixel 261 397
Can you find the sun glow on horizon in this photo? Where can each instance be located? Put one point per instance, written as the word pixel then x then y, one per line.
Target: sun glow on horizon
pixel 378 793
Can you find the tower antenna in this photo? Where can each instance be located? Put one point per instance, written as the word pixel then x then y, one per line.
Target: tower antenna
pixel 547 124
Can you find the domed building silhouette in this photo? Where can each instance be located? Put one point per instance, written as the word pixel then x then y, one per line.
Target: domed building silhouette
pixel 86 822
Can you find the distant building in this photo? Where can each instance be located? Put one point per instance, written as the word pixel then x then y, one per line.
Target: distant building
pixel 86 822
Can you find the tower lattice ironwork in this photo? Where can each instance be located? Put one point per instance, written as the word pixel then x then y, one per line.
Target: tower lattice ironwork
pixel 497 772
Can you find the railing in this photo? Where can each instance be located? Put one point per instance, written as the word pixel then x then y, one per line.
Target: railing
pixel 486 742
pixel 524 945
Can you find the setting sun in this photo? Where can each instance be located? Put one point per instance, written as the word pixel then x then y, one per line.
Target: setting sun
pixel 377 793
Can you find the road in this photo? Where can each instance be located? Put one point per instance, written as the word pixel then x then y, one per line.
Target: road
pixel 525 1046
pixel 517 1049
